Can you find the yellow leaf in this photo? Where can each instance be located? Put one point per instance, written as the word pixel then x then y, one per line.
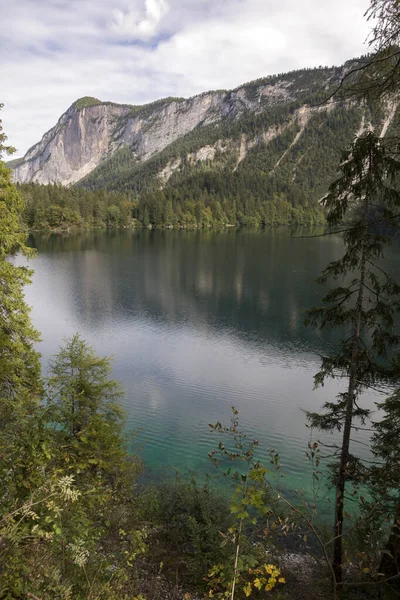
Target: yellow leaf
pixel 247 589
pixel 257 584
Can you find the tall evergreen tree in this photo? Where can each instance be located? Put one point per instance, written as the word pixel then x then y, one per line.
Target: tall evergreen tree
pixel 19 364
pixel 363 303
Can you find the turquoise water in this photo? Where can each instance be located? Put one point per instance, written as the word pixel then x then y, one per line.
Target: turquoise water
pixel 197 322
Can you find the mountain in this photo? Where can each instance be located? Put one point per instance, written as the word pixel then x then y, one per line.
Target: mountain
pixel 274 137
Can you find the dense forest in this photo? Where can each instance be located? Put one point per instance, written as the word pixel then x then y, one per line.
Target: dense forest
pixel 188 206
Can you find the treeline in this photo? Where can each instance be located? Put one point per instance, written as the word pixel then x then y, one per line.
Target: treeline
pixel 205 200
pixel 58 207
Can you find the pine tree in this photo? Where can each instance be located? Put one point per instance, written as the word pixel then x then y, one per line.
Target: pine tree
pixel 19 364
pixel 22 435
pixel 362 304
pixel 79 383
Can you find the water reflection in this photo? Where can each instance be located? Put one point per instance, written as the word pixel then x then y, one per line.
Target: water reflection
pixel 197 322
pixel 257 285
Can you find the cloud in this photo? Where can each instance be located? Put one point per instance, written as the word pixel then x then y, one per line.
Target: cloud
pixel 225 55
pixel 129 25
pixel 136 51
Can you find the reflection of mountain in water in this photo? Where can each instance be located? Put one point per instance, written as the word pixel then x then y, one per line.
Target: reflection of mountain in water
pixel 255 285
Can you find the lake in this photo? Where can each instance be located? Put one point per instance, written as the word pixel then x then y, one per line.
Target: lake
pixel 197 322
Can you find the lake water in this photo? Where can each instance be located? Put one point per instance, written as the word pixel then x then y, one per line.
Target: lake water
pixel 197 323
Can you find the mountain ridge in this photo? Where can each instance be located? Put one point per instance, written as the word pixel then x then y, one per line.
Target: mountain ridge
pixel 262 153
pixel 52 160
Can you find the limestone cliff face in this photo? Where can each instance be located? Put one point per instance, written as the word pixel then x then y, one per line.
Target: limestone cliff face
pixel 73 148
pixel 85 135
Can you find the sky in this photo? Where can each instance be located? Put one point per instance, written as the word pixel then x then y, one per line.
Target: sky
pixel 136 51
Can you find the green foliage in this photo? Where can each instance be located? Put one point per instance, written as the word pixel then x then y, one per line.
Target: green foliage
pixel 383 479
pixel 85 102
pixel 57 208
pixel 187 522
pixel 72 524
pixel 376 75
pixel 3 138
pixel 366 193
pixel 255 192
pixel 54 208
pixel 88 101
pixel 15 162
pixel 79 384
pixel 245 568
pixel 362 305
pixel 66 525
pixel 67 522
pixel 24 531
pixel 19 365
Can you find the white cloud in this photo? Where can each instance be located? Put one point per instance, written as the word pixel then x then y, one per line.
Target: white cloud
pixel 136 51
pixel 128 24
pixel 222 55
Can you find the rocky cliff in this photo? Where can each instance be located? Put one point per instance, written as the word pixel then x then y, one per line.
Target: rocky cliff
pixel 91 131
pixel 282 118
pixel 82 138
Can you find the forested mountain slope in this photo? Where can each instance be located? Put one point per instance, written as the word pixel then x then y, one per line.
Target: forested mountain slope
pixel 262 153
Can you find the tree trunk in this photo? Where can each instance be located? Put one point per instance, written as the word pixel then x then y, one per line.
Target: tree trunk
pixel 337 560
